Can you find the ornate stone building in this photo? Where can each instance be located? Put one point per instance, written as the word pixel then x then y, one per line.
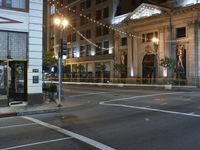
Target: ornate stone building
pixel 177 34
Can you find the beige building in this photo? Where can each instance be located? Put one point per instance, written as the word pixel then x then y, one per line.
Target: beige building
pixel 89 39
pixel 177 32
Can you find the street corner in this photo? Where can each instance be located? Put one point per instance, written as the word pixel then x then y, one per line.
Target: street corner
pixel 7 112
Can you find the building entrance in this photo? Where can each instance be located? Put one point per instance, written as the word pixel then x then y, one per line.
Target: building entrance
pixel 148 68
pixel 13 82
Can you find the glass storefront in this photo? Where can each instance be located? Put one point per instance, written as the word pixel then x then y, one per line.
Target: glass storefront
pixel 13 82
pixel 13 67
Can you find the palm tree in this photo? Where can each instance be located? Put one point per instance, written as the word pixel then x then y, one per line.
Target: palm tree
pixel 101 68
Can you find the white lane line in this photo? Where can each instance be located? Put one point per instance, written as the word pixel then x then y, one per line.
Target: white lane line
pixel 71 134
pixel 86 94
pixel 163 103
pixel 152 109
pixel 18 125
pixel 37 143
pixel 140 96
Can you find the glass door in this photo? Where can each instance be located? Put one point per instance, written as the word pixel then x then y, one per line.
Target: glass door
pixel 18 88
pixel 4 83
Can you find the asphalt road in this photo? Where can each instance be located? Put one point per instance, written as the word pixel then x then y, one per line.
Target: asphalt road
pixel 110 118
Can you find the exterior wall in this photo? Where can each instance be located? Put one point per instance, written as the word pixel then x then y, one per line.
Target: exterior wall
pixel 31 23
pixel 35 50
pixel 165 25
pixel 92 59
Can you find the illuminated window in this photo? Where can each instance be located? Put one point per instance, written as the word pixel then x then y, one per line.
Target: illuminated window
pixel 149 37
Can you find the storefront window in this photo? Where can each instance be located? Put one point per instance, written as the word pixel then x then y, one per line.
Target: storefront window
pixel 14 45
pixel 14 4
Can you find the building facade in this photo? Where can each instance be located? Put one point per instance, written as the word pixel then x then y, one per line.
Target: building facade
pixel 177 32
pixel 89 39
pixel 21 51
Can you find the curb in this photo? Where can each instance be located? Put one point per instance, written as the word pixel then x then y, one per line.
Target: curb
pixel 9 114
pixel 23 113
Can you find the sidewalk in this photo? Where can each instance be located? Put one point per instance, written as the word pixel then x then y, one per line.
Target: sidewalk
pixel 46 107
pixel 17 110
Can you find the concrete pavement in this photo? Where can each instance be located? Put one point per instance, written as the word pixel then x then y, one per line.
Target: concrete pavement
pixel 52 106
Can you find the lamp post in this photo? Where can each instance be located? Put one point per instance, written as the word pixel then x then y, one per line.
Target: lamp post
pixel 62 23
pixel 155 44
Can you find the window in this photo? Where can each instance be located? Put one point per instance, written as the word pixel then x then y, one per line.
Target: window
pixel 106 12
pixel 68 52
pixel 98 31
pixel 83 33
pixel 98 15
pixel 98 1
pixel 82 20
pixel 88 50
pixel 88 3
pixel 15 4
pixel 13 44
pixel 143 38
pixel 106 46
pixel 98 49
pixel 73 51
pixel 105 31
pixel 74 37
pixel 82 51
pixel 123 41
pixel 149 37
pixel 88 33
pixel 74 8
pixel 181 32
pixel 69 36
pixel 86 20
pixel 82 6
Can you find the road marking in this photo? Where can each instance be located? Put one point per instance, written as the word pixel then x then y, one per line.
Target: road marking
pixel 146 108
pixel 37 143
pixel 71 134
pixel 140 96
pixel 152 109
pixel 18 125
pixel 88 94
pixel 163 103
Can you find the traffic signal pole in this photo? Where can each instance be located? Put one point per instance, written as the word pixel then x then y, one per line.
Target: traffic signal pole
pixel 60 54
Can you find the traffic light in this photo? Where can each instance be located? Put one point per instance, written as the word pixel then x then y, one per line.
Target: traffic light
pixel 63 47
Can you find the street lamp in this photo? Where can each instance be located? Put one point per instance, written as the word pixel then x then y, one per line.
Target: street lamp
pixel 155 44
pixel 62 23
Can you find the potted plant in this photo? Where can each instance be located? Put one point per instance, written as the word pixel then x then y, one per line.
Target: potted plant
pixel 168 65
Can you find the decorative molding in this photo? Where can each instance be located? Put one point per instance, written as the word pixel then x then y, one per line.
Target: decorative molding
pixel 7 20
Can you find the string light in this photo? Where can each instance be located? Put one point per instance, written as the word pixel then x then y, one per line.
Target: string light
pixel 52 2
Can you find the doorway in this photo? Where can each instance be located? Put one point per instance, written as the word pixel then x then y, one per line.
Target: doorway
pixel 13 81
pixel 148 68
